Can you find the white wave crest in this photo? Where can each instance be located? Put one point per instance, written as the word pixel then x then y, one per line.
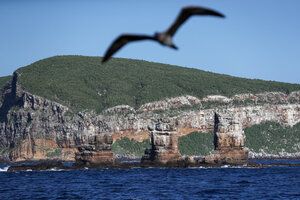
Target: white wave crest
pixel 4 169
pixel 225 166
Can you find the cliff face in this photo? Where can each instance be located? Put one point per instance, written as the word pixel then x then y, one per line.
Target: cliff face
pixel 32 127
pixel 277 107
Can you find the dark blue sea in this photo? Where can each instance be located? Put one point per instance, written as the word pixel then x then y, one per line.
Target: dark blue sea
pixel 153 183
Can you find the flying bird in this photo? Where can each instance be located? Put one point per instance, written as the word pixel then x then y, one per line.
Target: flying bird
pixel 164 38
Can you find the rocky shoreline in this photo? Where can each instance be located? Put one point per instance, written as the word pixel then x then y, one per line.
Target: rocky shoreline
pixel 56 165
pixel 128 165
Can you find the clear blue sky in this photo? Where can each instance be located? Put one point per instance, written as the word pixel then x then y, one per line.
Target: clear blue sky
pixel 258 38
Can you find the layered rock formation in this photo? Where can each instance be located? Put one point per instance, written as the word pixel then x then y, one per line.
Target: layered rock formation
pixel 98 151
pixel 229 140
pixel 134 125
pixel 253 109
pixel 164 142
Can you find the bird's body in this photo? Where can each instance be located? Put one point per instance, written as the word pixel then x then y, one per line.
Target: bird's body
pixel 164 38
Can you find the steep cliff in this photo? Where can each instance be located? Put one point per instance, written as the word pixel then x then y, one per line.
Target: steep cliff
pixel 34 127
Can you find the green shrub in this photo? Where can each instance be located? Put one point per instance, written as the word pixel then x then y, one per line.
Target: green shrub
pixel 125 146
pixel 55 153
pixel 273 138
pixel 196 143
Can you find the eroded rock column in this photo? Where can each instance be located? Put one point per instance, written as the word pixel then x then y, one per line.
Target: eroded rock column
pixel 98 151
pixel 229 140
pixel 164 141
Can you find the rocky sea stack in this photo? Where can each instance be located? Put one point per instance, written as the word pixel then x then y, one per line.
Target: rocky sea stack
pixel 229 141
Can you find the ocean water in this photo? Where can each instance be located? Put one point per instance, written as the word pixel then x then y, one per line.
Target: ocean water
pixel 153 183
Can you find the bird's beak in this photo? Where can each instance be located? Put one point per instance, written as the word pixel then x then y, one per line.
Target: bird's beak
pixel 174 47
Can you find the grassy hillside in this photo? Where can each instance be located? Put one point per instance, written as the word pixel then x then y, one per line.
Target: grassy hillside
pixel 84 83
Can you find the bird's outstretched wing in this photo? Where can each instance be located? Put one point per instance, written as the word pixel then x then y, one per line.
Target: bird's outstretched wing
pixel 121 41
pixel 188 11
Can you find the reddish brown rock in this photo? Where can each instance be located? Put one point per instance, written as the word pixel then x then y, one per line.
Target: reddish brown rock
pixel 164 141
pixel 89 158
pixel 229 141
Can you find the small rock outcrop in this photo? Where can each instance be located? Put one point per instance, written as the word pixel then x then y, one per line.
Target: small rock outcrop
pixel 98 151
pixel 229 141
pixel 164 141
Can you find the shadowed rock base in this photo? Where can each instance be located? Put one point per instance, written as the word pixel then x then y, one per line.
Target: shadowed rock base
pixel 228 156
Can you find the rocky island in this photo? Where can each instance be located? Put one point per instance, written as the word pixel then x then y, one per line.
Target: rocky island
pixel 41 123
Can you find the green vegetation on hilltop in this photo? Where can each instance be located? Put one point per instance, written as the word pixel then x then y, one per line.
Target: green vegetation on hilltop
pixel 82 82
pixel 4 79
pixel 273 138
